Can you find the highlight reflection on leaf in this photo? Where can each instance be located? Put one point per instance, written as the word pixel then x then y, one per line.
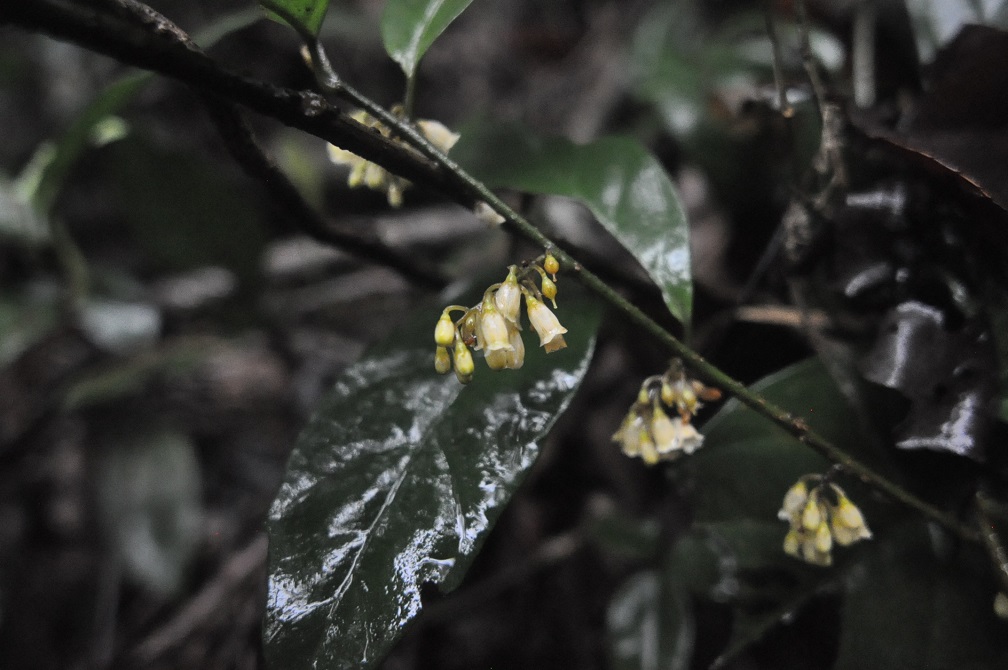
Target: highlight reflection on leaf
pixel 395 483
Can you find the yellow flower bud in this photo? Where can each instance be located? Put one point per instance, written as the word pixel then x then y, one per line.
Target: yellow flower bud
pixel 792 543
pixel 648 452
pixel 823 538
pixel 394 193
pixel 442 360
pixel 374 176
pixel 444 331
pixel 469 326
pixel 811 516
pixel 668 394
pixel 464 366
pixel 847 522
pixel 848 513
pixel 551 265
pixel 549 290
pixel 356 176
pixel 688 403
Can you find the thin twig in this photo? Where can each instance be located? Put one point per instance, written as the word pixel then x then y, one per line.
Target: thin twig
pixel 808 58
pixel 992 543
pixel 783 106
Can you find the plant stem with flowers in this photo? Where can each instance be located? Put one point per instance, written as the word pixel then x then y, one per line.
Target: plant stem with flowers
pixel 480 193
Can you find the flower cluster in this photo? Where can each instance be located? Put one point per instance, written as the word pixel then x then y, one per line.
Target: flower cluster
pixel 647 430
pixel 820 514
pixel 494 325
pixel 375 177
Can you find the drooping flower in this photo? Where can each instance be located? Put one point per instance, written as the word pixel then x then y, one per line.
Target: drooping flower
pixel 371 175
pixel 545 324
pixel 494 325
pixel 673 436
pixel 508 296
pixel 515 358
pixel 442 360
pixel 820 516
pixel 492 332
pixel 847 523
pixel 648 424
pixel 464 366
pixel 444 331
pixel 437 134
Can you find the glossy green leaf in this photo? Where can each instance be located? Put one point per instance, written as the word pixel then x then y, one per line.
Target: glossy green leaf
pixel 734 553
pixel 305 16
pixel 914 603
pixel 409 27
pixel 622 184
pixel 396 482
pixel 747 463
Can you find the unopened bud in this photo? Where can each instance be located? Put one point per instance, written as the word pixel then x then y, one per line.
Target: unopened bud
pixel 442 360
pixel 551 265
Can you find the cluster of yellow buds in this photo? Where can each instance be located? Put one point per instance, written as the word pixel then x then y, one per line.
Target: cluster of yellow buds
pixel 647 430
pixel 821 515
pixel 377 178
pixel 494 326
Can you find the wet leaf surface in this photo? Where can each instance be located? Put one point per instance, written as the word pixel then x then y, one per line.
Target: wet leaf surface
pixel 409 27
pixel 950 377
pixel 623 185
pixel 395 484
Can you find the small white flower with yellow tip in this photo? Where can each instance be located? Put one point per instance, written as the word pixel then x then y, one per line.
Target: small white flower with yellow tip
pixel 508 296
pixel 373 176
pixel 820 515
pixel 647 430
pixel 494 326
pixel 545 324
